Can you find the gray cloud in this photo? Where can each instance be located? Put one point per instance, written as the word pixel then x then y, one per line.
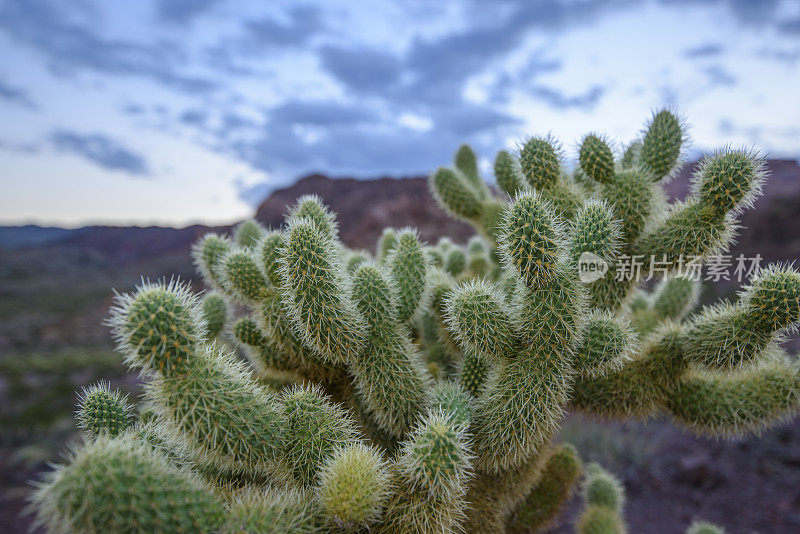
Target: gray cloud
pixel 718 75
pixel 16 95
pixel 559 100
pixel 703 51
pixel 101 150
pixel 301 24
pixel 69 47
pixel 183 11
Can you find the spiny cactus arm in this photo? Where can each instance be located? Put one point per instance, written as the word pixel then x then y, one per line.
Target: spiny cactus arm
pixel 480 320
pixel 312 207
pixel 198 389
pixel 662 144
pixel 430 478
pixel 596 158
pixel 267 255
pixel 630 158
pixel 207 253
pixel 640 387
pixel 408 267
pixel 388 373
pixel 729 336
pixel 745 402
pixel 353 487
pixel 675 296
pixel 523 398
pixel 215 313
pixel 455 194
pixel 451 399
pixel 312 428
pixel 493 496
pixel 354 258
pixel 508 173
pixel 225 418
pixel 540 162
pixel 542 505
pixel 455 261
pixel 595 231
pixel 386 243
pixel 271 511
pixel 604 498
pixel 263 355
pixel 466 162
pixel 725 184
pixel 316 293
pixel 102 410
pixel 247 233
pixel 123 485
pixel 279 330
pixel 241 276
pixel 606 344
pixel 474 370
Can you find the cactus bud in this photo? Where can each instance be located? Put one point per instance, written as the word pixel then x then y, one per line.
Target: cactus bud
pixel 207 253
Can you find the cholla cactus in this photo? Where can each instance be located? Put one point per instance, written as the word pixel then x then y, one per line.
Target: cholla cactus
pixel 421 390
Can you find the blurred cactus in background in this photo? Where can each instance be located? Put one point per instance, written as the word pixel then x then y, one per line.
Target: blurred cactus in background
pixel 421 389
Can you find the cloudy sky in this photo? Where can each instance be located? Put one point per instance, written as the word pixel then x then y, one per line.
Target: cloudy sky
pixel 173 111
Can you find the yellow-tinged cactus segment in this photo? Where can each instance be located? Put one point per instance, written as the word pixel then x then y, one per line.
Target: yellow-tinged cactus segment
pixel 102 410
pixel 675 297
pixel 596 158
pixel 317 295
pixel 124 485
pixel 353 486
pixel 271 511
